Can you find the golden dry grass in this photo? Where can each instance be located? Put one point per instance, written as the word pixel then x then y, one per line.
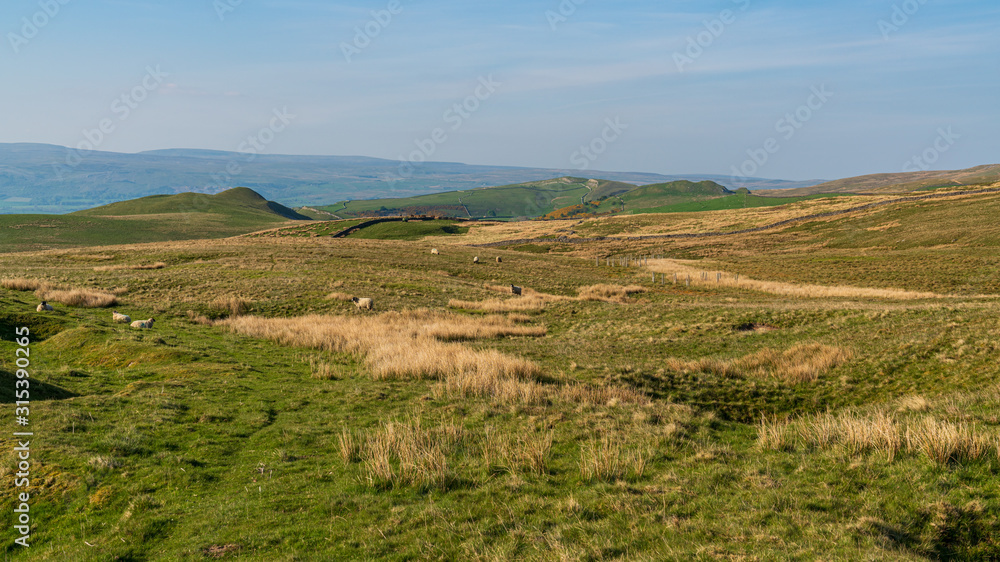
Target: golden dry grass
pixel 230 305
pixel 608 293
pixel 402 345
pixel 611 459
pixel 423 344
pixel 524 452
pixel 20 283
pixel 404 453
pixel 882 432
pixel 338 296
pixel 800 363
pixel 321 369
pixel 85 298
pixel 687 273
pixel 157 265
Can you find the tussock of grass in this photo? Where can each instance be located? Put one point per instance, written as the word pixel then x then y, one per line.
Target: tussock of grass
pixel 611 459
pixel 230 306
pixel 157 265
pixel 609 293
pixel 321 370
pixel 85 298
pixel 801 363
pixel 338 296
pixel 517 453
pixel 882 432
pixel 20 283
pixel 405 454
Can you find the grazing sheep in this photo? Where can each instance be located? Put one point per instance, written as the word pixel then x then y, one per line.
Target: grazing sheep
pixel 475 259
pixel 143 324
pixel 435 251
pixel 499 259
pixel 515 290
pixel 365 303
pixel 119 318
pixel 44 307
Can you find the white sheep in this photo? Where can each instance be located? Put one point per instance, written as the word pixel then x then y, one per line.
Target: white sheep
pixel 515 290
pixel 475 259
pixel 143 324
pixel 119 318
pixel 435 251
pixel 499 260
pixel 44 307
pixel 365 303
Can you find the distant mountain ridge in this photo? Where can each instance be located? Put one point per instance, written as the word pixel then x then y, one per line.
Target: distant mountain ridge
pixel 53 179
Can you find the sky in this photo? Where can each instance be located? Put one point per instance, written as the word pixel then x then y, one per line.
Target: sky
pixel 792 90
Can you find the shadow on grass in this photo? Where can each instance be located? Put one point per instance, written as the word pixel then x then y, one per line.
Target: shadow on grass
pixel 39 390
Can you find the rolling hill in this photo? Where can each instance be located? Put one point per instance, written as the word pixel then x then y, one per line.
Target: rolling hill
pixel 239 203
pixel 157 218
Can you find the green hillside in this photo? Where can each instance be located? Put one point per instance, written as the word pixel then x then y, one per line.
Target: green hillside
pixel 158 218
pixel 537 199
pixel 241 204
pixel 729 202
pixel 508 201
pixel 663 194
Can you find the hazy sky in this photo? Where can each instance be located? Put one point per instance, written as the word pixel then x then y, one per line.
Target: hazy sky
pixel 808 89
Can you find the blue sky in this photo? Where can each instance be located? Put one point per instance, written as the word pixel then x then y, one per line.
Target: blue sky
pixel 559 73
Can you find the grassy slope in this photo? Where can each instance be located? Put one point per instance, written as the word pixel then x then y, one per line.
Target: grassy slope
pixel 409 231
pixel 150 219
pixel 728 202
pixel 509 201
pixel 225 439
pixel 652 196
pixel 899 182
pixel 240 204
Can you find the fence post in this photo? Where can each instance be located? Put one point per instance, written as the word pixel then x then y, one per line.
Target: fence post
pixel 718 278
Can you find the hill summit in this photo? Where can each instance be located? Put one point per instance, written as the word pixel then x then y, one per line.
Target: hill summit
pixel 240 202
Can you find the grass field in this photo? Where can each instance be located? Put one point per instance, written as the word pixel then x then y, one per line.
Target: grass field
pixel 600 415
